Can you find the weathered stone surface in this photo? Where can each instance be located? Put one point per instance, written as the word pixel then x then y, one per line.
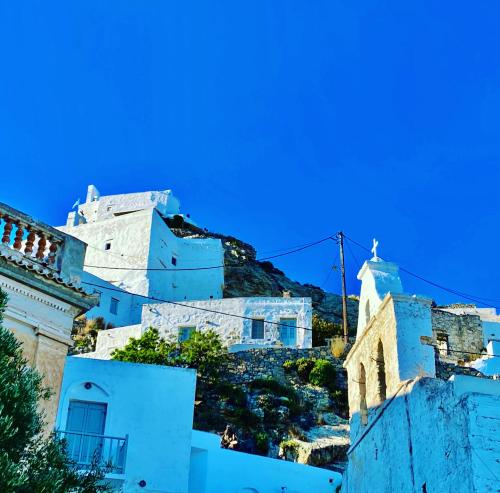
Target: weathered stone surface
pixel 246 366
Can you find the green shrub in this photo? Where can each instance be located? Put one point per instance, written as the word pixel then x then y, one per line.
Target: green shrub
pixel 232 394
pixel 323 374
pixel 203 351
pixel 289 366
pixel 304 368
pixel 245 418
pixel 274 387
pixel 323 329
pixel 262 442
pixel 290 447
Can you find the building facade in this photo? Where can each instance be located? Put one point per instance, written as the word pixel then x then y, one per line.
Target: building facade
pixel 138 418
pixel 419 422
pixel 131 247
pixel 241 323
pixel 40 271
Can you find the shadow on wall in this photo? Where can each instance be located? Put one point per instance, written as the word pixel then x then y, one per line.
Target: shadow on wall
pixel 427 437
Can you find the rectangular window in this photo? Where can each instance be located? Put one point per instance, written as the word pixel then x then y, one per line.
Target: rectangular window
pixel 442 344
pixel 185 333
pixel 107 245
pixel 288 331
pixel 174 261
pixel 113 307
pixel 257 329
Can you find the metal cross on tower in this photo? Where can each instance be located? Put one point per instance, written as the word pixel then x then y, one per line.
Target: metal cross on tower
pixel 374 249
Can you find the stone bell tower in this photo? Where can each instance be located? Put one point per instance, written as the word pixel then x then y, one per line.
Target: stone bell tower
pixel 378 278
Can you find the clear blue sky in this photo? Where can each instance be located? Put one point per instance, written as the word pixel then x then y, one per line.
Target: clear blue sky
pixel 279 122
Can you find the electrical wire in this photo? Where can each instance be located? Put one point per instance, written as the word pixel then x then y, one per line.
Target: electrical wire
pixel 241 264
pixel 476 299
pixel 209 310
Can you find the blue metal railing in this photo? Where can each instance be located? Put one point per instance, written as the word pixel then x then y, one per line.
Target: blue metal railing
pixel 88 448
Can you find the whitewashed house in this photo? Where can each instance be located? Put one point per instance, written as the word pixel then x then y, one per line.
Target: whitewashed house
pixel 130 247
pixel 419 423
pixel 257 322
pixel 138 418
pixel 134 258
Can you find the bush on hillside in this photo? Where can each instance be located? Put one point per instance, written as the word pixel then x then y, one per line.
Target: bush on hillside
pixel 323 374
pixel 203 351
pixel 323 330
pixel 304 368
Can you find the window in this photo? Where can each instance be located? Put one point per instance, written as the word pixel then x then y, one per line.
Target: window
pixel 380 361
pixel 288 331
pixel 174 261
pixel 442 344
pixel 107 245
pixel 185 333
pixel 258 329
pixel 367 312
pixel 113 307
pixel 99 294
pixel 363 409
pixel 85 430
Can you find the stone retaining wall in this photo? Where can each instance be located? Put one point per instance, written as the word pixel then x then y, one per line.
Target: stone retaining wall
pixel 249 365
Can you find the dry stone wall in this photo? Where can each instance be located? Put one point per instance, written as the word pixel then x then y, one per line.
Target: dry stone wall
pixel 464 333
pixel 245 366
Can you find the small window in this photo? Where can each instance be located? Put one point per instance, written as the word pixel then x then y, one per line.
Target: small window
pixel 174 261
pixel 113 307
pixel 108 208
pixel 185 333
pixel 257 329
pixel 363 409
pixel 380 362
pixel 367 312
pixel 442 344
pixel 107 245
pixel 288 331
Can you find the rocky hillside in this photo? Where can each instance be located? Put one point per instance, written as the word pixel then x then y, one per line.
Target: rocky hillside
pixel 247 276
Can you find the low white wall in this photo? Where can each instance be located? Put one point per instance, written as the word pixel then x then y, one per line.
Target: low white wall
pixel 151 404
pixel 167 318
pixel 216 470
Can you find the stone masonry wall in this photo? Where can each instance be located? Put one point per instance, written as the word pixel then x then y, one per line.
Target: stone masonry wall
pixel 246 366
pixel 465 333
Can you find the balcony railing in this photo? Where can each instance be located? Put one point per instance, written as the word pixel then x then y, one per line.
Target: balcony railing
pixel 87 448
pixel 35 241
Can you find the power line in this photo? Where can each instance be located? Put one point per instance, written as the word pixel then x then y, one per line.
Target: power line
pixel 241 264
pixel 476 299
pixel 190 306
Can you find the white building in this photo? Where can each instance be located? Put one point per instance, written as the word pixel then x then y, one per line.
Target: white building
pixel 139 418
pixel 414 429
pixel 257 322
pixel 131 247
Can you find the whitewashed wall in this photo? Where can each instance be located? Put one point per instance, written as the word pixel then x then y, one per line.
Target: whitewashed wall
pixel 216 470
pixel 129 307
pixel 168 318
pixel 426 436
pixel 151 404
pixel 141 240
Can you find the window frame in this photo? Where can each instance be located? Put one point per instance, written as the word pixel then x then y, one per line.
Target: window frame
pixel 114 302
pixel 263 328
pixel 181 328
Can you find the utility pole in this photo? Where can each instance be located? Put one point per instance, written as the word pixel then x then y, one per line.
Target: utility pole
pixel 340 237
